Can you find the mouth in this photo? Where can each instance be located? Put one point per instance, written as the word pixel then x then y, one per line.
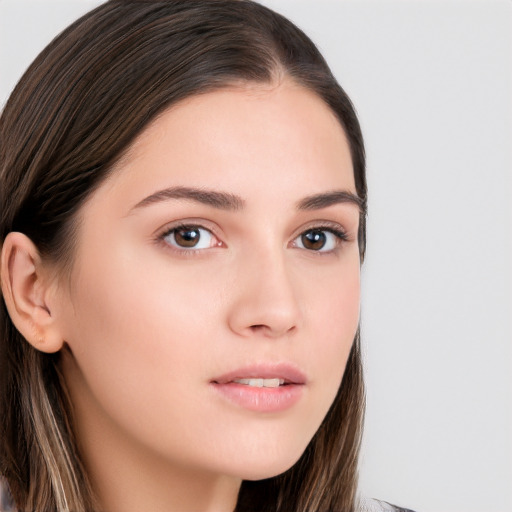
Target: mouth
pixel 262 388
pixel 264 375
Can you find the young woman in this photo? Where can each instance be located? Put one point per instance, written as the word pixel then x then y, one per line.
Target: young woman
pixel 183 205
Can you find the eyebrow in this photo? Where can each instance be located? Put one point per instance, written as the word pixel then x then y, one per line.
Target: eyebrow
pixel 326 199
pixel 232 202
pixel 216 199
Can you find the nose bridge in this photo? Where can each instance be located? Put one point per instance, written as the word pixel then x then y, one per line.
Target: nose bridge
pixel 266 300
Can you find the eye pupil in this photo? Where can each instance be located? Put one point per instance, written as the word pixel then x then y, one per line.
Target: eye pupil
pixel 187 237
pixel 314 239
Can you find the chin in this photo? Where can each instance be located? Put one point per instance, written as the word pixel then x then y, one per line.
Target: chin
pixel 270 471
pixel 267 467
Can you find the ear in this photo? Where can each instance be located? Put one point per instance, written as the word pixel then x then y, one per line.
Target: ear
pixel 27 291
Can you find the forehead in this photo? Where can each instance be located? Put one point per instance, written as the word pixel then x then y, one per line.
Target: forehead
pixel 254 138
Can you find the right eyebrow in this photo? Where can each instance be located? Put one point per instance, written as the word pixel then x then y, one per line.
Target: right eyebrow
pixel 214 198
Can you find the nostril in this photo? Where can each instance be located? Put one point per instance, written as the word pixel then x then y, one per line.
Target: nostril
pixel 266 330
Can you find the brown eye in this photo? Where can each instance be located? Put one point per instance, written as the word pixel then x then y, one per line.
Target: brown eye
pixel 189 237
pixel 314 240
pixel 320 239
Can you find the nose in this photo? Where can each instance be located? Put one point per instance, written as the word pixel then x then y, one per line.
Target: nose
pixel 265 301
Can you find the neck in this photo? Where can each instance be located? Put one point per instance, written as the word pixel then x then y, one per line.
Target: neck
pixel 130 488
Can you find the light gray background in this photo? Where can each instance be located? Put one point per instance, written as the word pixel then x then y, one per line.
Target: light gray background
pixel 432 82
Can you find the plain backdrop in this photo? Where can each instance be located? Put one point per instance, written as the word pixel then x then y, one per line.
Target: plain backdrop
pixel 432 83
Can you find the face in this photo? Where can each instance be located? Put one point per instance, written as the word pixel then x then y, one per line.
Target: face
pixel 214 296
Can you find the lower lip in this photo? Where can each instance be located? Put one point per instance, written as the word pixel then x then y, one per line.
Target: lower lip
pixel 261 399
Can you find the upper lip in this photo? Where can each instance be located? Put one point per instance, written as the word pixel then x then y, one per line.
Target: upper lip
pixel 288 372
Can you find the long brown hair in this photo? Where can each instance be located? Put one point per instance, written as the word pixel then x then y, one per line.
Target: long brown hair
pixel 71 117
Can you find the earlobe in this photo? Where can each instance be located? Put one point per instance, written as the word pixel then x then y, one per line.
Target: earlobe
pixel 25 290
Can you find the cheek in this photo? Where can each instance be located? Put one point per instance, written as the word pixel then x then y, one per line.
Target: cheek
pixel 133 331
pixel 334 319
pixel 134 313
pixel 335 303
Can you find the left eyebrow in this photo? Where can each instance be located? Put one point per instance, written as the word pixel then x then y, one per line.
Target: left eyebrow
pixel 326 199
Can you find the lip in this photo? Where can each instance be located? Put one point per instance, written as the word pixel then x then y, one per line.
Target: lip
pixel 262 399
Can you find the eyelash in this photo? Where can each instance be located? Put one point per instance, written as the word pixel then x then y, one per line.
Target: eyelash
pixel 333 228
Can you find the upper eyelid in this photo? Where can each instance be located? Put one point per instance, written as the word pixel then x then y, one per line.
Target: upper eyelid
pixel 322 224
pixel 186 223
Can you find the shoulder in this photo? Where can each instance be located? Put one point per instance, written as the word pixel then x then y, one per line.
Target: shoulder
pixel 373 505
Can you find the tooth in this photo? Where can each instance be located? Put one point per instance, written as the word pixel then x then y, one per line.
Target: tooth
pixel 242 381
pixel 259 383
pixel 271 383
